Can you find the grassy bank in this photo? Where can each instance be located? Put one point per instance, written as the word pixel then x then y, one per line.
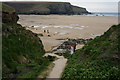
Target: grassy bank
pixel 98 59
pixel 22 50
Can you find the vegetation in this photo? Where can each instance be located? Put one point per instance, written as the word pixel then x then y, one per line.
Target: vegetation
pixel 98 59
pixel 60 39
pixel 66 55
pixel 22 50
pixel 36 69
pixel 40 34
pixel 7 8
pixel 51 58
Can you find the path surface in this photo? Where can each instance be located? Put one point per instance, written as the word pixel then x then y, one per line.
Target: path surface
pixel 59 66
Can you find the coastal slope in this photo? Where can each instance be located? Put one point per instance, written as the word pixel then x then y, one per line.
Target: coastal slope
pixel 47 8
pixel 22 50
pixel 98 59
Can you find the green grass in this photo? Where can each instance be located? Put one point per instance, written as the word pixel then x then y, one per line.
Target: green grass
pixel 51 58
pixel 20 48
pixel 37 68
pixel 40 34
pixel 6 8
pixel 98 59
pixel 34 72
pixel 61 39
pixel 66 55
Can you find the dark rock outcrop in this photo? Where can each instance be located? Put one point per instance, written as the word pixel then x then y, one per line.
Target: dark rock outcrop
pixel 79 10
pixel 65 47
pixel 60 8
pixel 9 15
pixel 47 8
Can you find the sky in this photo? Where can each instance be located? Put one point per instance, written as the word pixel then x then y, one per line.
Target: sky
pixel 98 6
pixel 90 5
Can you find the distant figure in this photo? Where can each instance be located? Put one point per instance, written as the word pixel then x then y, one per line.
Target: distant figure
pixel 68 39
pixel 44 31
pixel 72 49
pixel 96 15
pixel 32 26
pixel 47 31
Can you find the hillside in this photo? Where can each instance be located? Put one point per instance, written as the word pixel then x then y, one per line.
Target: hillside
pixel 22 50
pixel 47 8
pixel 98 59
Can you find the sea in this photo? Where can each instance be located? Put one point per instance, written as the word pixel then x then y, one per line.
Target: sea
pixel 105 13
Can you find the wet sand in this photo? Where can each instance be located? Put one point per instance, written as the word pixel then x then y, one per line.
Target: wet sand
pixel 64 26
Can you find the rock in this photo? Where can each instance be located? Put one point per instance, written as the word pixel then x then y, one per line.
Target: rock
pixel 49 35
pixel 79 10
pixel 9 15
pixel 47 8
pixel 22 60
pixel 70 45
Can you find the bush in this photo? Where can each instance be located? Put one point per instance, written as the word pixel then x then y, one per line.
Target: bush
pixel 40 34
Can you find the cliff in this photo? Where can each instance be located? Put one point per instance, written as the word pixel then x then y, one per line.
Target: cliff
pixel 98 59
pixel 79 10
pixel 47 8
pixel 9 15
pixel 22 50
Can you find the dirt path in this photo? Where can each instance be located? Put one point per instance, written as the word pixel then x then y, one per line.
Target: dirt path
pixel 59 66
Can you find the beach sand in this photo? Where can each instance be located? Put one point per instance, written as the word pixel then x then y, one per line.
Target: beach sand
pixel 64 26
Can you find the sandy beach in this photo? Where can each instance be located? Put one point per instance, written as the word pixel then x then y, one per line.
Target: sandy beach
pixel 64 26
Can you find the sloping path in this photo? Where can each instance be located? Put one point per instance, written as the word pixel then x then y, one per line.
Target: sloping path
pixel 59 66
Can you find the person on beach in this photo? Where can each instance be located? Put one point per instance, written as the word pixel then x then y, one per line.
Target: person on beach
pixel 44 31
pixel 47 31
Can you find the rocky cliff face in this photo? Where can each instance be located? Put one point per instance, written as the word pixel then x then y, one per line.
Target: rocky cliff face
pixel 47 8
pixel 79 10
pixel 60 8
pixel 20 47
pixel 9 15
